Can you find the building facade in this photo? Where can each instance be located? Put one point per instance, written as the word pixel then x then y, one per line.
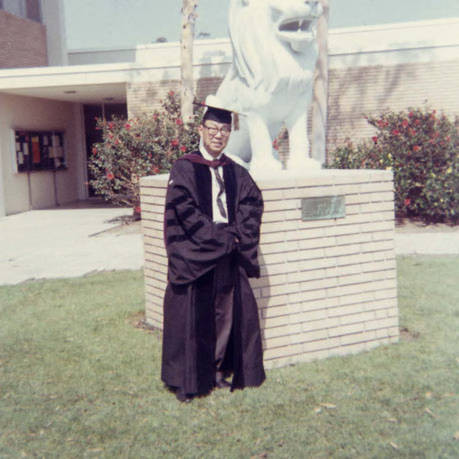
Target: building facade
pixel 47 111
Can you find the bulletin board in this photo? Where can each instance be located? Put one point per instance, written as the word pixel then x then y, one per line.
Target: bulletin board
pixel 40 150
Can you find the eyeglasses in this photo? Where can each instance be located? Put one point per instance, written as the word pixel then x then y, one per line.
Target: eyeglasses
pixel 213 130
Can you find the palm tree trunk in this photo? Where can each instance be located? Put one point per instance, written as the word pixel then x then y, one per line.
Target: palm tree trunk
pixel 320 94
pixel 186 57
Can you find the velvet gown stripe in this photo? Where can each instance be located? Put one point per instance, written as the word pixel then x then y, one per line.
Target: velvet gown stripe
pixel 204 189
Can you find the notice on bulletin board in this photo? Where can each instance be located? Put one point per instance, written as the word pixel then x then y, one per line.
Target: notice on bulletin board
pixel 36 156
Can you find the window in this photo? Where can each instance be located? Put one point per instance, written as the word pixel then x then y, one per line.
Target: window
pixel 39 150
pixel 33 10
pixel 29 9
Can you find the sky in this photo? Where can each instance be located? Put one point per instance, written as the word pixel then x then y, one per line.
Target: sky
pixel 125 23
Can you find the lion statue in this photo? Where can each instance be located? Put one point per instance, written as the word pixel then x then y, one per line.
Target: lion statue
pixel 270 79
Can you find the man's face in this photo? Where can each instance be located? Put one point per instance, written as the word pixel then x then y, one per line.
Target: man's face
pixel 214 136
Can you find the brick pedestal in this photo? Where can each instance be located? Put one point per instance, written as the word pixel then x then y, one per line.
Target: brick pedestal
pixel 328 287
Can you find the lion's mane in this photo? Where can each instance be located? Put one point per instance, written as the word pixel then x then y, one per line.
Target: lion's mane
pixel 261 61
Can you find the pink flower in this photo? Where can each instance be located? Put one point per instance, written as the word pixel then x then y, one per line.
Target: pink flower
pixel 275 144
pixel 127 126
pixel 183 148
pixel 171 93
pixel 94 150
pixel 175 143
pixel 395 132
pixel 178 122
pixel 375 139
pixel 137 209
pixel 410 115
pixel 417 122
pixel 405 123
pixel 110 125
pixel 155 170
pixel 412 132
pixel 155 116
pixel 407 202
pixel 416 148
pixel 110 176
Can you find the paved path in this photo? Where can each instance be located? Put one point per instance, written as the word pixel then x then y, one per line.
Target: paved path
pixel 65 243
pixel 427 243
pixel 73 242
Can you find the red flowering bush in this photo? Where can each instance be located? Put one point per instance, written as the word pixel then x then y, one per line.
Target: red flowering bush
pixel 137 147
pixel 422 150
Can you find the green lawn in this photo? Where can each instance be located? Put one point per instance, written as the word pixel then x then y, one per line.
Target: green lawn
pixel 77 379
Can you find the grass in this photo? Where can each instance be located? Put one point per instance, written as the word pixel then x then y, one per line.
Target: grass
pixel 77 379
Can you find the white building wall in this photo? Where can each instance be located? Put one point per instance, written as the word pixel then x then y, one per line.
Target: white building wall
pixel 101 56
pixel 2 186
pixel 17 112
pixel 53 18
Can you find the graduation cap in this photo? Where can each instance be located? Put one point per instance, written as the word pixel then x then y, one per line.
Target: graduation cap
pixel 215 111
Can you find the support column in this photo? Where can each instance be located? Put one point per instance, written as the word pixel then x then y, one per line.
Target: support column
pixel 2 189
pixel 80 151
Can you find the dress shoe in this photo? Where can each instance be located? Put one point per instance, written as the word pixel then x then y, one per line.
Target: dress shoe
pixel 183 398
pixel 222 384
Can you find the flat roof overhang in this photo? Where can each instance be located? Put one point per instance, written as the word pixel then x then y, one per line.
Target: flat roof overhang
pixel 88 84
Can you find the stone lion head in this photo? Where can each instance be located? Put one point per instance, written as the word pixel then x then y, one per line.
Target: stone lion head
pixel 272 39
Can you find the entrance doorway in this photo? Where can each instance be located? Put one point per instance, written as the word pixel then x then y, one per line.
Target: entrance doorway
pixel 91 113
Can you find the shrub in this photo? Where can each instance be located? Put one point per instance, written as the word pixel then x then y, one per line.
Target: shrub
pixel 137 147
pixel 421 148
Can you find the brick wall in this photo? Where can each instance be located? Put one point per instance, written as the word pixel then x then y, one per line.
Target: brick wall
pixel 22 42
pixel 354 92
pixel 328 287
pixel 145 97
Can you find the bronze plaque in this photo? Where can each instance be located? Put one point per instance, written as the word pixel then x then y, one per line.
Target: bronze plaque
pixel 323 207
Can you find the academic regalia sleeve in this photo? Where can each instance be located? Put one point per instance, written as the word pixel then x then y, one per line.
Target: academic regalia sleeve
pixel 194 243
pixel 248 221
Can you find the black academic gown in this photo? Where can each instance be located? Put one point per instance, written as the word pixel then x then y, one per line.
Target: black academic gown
pixel 194 245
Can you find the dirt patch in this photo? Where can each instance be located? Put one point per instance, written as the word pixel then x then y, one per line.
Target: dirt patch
pixel 408 335
pixel 137 320
pixel 126 228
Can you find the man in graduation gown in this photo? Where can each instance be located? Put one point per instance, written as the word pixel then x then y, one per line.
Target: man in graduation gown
pixel 211 230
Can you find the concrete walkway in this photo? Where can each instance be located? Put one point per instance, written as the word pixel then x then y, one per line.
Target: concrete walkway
pixel 427 243
pixel 65 243
pixel 71 242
